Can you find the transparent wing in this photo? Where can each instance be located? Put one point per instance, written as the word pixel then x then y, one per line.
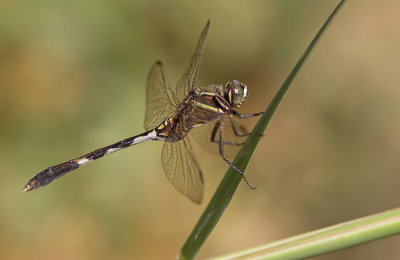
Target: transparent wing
pixel 182 169
pixel 232 142
pixel 160 99
pixel 189 79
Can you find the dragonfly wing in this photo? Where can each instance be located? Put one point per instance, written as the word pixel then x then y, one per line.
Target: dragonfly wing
pixel 189 79
pixel 160 99
pixel 182 169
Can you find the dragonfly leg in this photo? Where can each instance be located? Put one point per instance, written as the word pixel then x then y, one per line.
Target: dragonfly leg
pixel 237 114
pixel 246 134
pixel 214 133
pixel 221 152
pixel 235 129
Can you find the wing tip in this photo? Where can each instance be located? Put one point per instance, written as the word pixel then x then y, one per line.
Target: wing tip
pixel 198 202
pixel 195 199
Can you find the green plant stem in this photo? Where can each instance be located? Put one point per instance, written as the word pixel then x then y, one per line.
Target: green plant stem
pixel 327 239
pixel 231 180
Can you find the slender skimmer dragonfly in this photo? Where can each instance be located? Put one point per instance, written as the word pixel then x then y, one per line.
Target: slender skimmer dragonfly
pixel 207 113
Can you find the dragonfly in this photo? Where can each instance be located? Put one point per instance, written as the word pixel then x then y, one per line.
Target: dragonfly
pixel 207 114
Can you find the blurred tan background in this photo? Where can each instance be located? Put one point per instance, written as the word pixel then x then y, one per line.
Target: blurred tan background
pixel 72 79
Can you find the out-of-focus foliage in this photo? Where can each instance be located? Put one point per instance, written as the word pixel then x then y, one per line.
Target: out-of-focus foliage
pixel 72 77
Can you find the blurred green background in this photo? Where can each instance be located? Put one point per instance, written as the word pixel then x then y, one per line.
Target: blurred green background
pixel 72 79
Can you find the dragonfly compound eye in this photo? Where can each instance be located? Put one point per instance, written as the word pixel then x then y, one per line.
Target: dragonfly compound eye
pixel 237 93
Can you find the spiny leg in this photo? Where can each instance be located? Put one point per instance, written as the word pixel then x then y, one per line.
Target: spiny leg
pixel 235 131
pixel 214 133
pixel 237 114
pixel 221 152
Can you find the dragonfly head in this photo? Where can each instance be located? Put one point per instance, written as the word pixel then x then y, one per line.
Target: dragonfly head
pixel 236 93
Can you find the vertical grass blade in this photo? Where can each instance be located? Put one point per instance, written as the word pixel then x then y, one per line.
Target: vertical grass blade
pixel 231 180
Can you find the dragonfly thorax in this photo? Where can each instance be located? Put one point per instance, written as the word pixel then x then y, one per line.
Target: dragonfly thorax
pixel 236 93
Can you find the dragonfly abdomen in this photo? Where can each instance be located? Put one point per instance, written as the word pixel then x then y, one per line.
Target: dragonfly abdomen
pixel 45 177
pixel 50 174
